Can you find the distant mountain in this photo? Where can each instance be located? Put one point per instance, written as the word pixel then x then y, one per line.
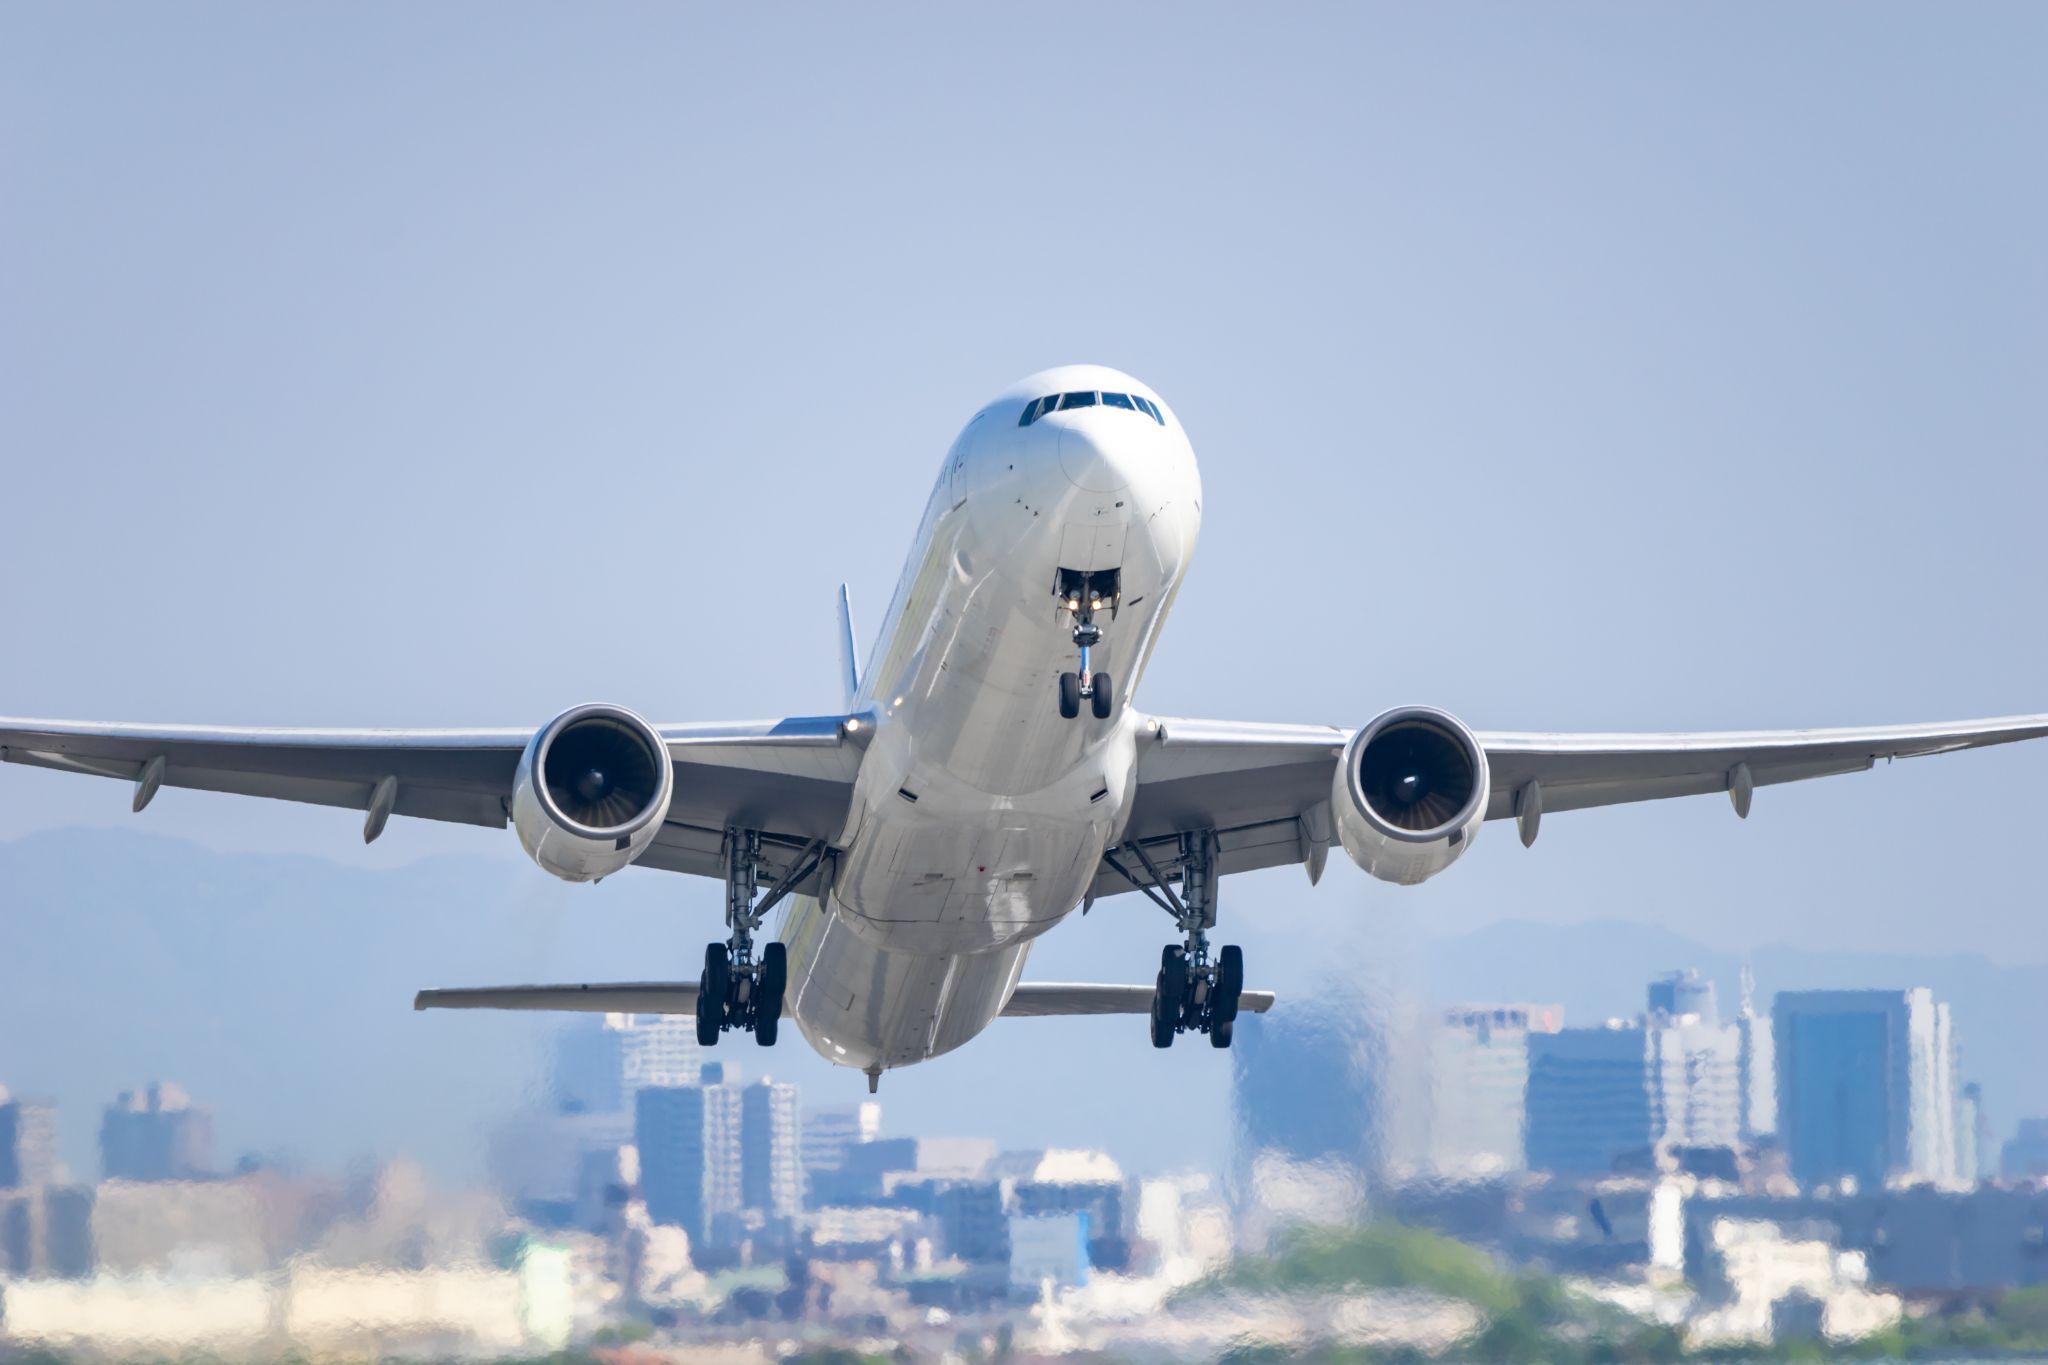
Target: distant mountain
pixel 1598 970
pixel 278 990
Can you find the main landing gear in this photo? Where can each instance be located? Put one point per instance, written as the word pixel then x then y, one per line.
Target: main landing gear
pixel 1084 594
pixel 1193 994
pixel 736 991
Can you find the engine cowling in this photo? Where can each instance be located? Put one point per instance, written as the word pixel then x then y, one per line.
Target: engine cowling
pixel 591 792
pixel 1409 794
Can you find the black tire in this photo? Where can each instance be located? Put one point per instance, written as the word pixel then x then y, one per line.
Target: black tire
pixel 1070 695
pixel 773 981
pixel 1229 985
pixel 1219 1034
pixel 1099 696
pixel 766 1029
pixel 714 988
pixel 1170 995
pixel 1162 1027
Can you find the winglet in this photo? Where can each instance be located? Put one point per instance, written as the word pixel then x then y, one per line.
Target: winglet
pixel 849 665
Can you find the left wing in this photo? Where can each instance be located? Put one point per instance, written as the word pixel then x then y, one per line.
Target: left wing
pixel 1262 788
pixel 791 778
pixel 1029 1000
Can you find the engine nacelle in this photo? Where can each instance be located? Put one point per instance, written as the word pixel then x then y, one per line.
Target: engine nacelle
pixel 591 792
pixel 1409 794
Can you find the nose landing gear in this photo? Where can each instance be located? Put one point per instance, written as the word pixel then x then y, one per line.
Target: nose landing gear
pixel 1084 594
pixel 735 991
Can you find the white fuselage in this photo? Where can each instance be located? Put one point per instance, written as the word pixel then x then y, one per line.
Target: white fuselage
pixel 924 931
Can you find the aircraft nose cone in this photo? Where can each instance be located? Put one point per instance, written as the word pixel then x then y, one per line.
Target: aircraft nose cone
pixel 1092 458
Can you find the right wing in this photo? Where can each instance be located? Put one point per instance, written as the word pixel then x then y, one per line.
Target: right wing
pixel 791 778
pixel 1264 789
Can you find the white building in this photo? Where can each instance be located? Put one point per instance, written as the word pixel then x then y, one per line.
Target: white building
pixel 1758 1286
pixel 1479 1078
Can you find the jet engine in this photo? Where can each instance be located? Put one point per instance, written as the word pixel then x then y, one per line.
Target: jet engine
pixel 591 792
pixel 1409 794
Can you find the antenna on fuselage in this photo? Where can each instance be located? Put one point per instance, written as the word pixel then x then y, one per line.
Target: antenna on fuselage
pixel 849 662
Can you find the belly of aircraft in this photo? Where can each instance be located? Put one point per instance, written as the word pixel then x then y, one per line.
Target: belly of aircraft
pixel 863 1005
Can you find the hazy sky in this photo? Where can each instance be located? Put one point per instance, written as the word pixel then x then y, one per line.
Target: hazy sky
pixel 1621 367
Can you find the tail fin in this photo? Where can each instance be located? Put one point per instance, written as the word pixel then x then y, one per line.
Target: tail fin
pixel 849 662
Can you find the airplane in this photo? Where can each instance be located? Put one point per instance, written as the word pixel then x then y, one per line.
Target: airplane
pixel 987 774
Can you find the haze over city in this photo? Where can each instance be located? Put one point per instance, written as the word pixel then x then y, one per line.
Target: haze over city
pixel 1569 369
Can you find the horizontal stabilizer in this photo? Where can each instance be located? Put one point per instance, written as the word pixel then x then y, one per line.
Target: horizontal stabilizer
pixel 1030 1000
pixel 1033 999
pixel 622 997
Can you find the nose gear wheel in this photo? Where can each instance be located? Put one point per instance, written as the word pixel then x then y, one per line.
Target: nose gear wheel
pixel 1082 595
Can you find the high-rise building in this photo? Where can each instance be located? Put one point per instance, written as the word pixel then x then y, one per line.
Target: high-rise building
pixel 601 1060
pixel 2025 1156
pixel 1970 1134
pixel 1632 1086
pixel 830 1133
pixel 1479 1079
pixel 688 1137
pixel 1756 1068
pixel 1866 1085
pixel 1308 1086
pixel 156 1134
pixel 771 1161
pixel 28 1143
pixel 1678 994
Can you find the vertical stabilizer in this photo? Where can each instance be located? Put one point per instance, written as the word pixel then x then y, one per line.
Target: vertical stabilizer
pixel 849 662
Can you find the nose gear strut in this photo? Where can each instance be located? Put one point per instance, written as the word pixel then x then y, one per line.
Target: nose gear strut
pixel 1082 595
pixel 736 991
pixel 1193 994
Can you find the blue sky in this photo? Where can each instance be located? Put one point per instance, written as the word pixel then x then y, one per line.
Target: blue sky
pixel 1574 367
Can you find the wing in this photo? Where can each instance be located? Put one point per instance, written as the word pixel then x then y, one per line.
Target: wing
pixel 1262 788
pixel 792 778
pixel 1029 1000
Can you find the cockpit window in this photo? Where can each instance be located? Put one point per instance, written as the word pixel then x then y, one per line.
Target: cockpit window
pixel 1061 402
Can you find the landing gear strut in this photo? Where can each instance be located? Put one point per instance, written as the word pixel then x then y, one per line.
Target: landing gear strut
pixel 735 990
pixel 1084 594
pixel 1193 994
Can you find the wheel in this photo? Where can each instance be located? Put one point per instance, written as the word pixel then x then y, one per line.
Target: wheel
pixel 1170 995
pixel 768 993
pixel 713 987
pixel 1070 695
pixel 1099 696
pixel 1219 1034
pixel 1229 986
pixel 1162 1027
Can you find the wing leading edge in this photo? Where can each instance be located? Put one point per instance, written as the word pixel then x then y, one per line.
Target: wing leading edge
pixel 791 777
